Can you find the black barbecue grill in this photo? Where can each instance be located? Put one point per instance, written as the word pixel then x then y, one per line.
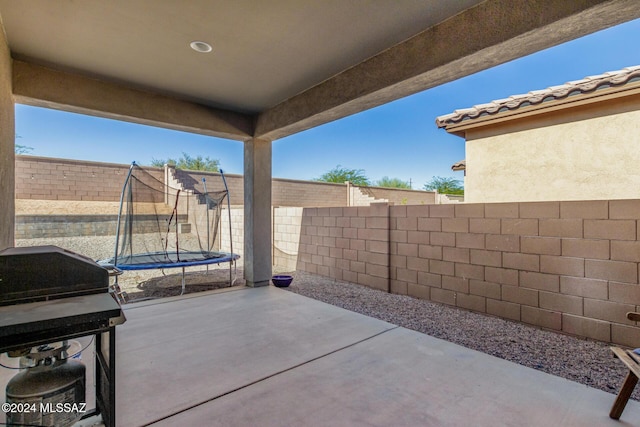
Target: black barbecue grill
pixel 49 294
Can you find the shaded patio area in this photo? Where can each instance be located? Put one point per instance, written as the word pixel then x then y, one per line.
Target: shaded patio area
pixel 265 356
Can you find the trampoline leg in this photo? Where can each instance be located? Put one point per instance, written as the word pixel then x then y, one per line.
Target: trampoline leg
pixel 182 293
pixel 115 289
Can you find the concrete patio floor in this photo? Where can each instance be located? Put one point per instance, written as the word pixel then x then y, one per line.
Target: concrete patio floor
pixel 268 357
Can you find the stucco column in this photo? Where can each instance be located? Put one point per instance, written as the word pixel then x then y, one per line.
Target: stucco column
pixel 257 212
pixel 7 148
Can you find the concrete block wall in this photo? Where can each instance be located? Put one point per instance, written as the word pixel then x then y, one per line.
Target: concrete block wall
pixel 348 243
pixel 398 196
pixel 566 266
pixel 359 196
pixel 443 199
pixel 191 180
pixel 287 223
pixel 289 192
pixel 285 192
pixel 51 226
pixel 237 231
pixel 44 178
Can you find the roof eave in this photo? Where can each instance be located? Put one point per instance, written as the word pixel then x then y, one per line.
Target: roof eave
pixel 460 128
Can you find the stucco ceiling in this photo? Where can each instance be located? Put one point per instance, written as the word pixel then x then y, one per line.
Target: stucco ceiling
pixel 263 51
pixel 277 66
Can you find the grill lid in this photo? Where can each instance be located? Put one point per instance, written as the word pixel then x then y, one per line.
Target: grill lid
pixel 38 273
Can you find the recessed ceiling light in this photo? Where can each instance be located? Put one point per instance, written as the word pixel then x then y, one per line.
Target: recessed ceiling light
pixel 201 47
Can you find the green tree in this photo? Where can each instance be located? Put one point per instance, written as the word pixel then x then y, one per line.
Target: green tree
pixel 188 162
pixel 158 163
pixel 444 185
pixel 387 182
pixel 22 149
pixel 340 175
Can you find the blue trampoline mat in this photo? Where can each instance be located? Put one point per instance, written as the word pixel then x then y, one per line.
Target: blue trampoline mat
pixel 156 260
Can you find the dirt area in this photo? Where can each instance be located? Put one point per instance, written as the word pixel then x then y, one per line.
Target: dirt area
pixel 76 207
pixel 151 284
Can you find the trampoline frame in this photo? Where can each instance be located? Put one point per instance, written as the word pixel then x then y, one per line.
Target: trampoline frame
pixel 221 257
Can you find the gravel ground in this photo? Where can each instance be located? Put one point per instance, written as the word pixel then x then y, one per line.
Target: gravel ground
pixel 584 361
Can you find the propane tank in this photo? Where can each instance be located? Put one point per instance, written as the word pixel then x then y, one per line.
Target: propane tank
pixel 51 389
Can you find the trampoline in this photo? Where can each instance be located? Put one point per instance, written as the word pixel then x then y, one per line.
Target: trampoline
pixel 161 227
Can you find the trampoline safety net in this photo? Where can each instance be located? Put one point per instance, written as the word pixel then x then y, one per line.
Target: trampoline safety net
pixel 161 227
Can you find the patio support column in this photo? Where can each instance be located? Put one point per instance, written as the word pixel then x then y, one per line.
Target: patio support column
pixel 7 148
pixel 257 212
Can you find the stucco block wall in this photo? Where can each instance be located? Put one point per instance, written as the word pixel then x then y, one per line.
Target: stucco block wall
pixel 577 154
pixel 567 266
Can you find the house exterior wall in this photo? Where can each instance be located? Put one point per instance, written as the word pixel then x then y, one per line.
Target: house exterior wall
pixel 581 153
pixel 566 266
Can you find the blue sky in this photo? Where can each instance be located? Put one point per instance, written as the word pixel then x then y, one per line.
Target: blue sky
pixel 399 139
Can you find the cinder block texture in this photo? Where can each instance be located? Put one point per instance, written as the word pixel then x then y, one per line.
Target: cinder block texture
pixel 57 179
pixel 567 266
pixel 61 179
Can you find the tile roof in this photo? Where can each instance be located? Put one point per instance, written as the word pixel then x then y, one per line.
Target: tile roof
pixel 459 166
pixel 577 87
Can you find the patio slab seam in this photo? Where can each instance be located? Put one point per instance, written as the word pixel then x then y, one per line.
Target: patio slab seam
pixel 406 378
pixel 267 377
